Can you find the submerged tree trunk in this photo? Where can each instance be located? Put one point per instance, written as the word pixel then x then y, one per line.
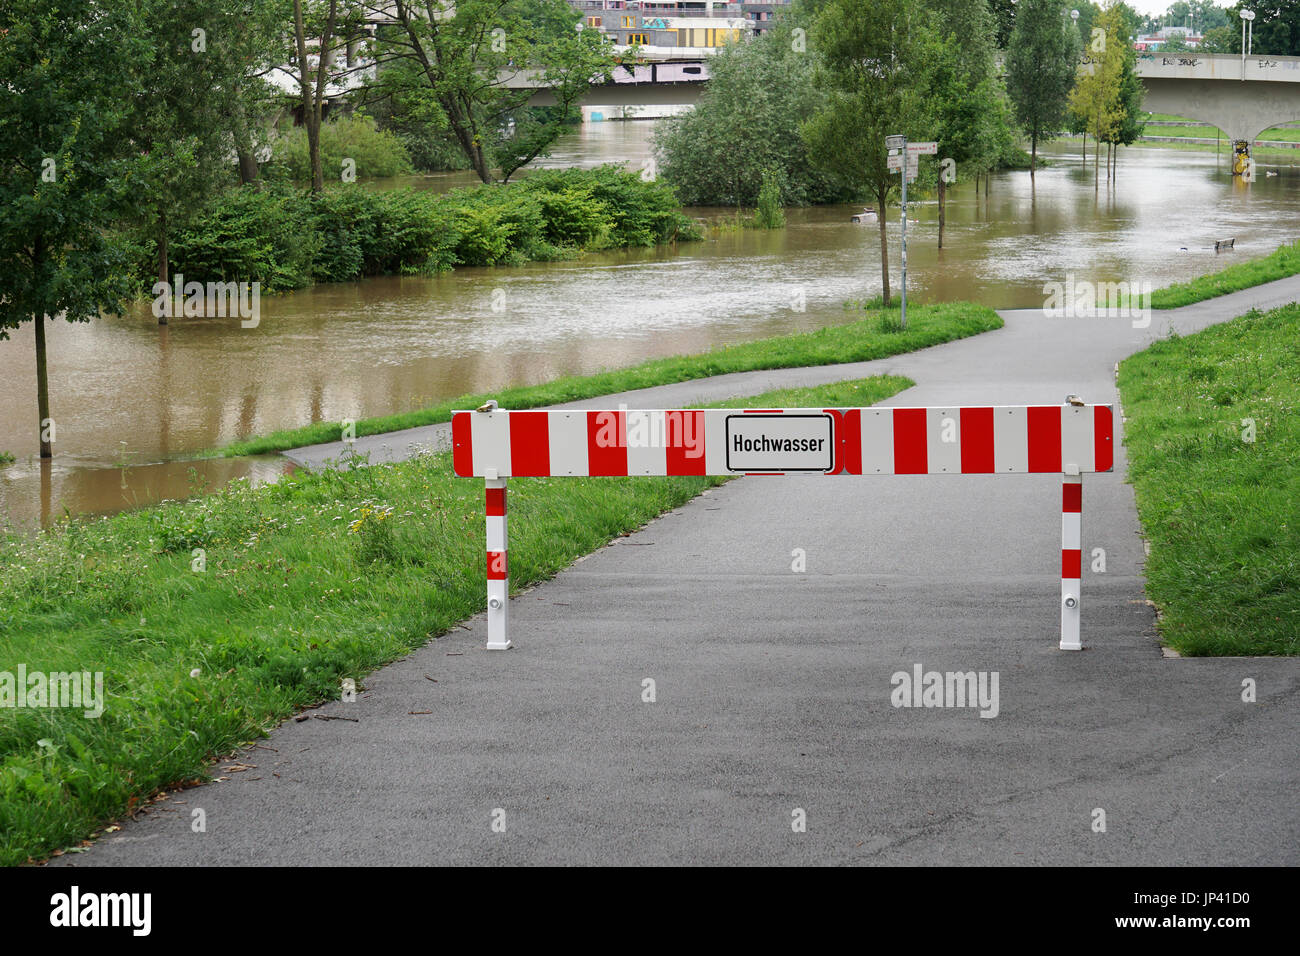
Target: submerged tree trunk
pixel 1096 166
pixel 1033 152
pixel 162 263
pixel 943 197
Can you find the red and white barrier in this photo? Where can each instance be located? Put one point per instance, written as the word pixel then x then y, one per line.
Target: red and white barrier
pixel 1069 440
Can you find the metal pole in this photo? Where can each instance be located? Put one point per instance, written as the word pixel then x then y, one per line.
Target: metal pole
pixel 1071 557
pixel 903 313
pixel 498 568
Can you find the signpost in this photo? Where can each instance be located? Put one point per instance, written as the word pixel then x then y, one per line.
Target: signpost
pixel 899 150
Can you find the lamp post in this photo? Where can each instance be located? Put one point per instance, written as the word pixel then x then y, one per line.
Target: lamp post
pixel 1247 22
pixel 1074 16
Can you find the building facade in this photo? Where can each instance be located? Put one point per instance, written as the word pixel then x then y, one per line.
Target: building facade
pixel 678 24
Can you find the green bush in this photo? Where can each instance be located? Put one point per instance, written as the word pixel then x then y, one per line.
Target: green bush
pixel 498 225
pixel 770 215
pixel 642 213
pixel 286 238
pixel 367 233
pixel 250 234
pixel 376 153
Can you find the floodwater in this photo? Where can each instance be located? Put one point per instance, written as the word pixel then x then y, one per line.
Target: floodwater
pixel 133 402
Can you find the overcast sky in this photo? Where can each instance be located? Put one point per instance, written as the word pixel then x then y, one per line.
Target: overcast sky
pixel 1159 6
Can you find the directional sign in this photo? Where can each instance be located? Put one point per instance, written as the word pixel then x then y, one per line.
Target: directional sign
pixel 895 142
pixel 896 163
pixel 780 443
pixel 923 149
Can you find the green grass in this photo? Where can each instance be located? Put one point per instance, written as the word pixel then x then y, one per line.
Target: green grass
pixel 1282 262
pixel 305 584
pixel 1285 134
pixel 6 458
pixel 859 341
pixel 1220 512
pixel 1281 155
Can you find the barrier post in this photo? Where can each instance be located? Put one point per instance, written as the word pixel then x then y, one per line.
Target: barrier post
pixel 498 568
pixel 1071 557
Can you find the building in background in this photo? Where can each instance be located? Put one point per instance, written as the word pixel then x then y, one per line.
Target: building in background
pixel 692 26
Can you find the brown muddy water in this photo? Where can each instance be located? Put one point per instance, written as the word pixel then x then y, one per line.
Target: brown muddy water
pixel 133 402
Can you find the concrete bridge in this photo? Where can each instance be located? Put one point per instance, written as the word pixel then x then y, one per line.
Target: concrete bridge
pixel 1241 98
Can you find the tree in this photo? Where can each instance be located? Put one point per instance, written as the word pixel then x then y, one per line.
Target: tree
pixel 324 20
pixel 878 59
pixel 1041 62
pixel 1221 40
pixel 1004 20
pixel 1096 93
pixel 1276 27
pixel 1131 120
pixel 747 121
pixel 970 111
pixel 66 165
pixel 1175 44
pixel 193 74
pixel 465 52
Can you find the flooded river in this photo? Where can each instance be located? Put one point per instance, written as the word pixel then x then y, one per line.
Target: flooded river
pixel 132 401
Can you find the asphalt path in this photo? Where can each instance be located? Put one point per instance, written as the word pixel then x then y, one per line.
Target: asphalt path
pixel 772 687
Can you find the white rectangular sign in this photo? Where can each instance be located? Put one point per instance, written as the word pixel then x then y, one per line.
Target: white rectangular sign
pixel 896 163
pixel 777 442
pixel 895 142
pixel 927 149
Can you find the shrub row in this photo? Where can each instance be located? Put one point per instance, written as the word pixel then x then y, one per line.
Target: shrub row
pixel 287 238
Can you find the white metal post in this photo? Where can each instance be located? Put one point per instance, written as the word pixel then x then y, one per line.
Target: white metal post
pixel 1071 557
pixel 902 314
pixel 498 568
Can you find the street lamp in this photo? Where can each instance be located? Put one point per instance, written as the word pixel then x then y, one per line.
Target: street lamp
pixel 1247 22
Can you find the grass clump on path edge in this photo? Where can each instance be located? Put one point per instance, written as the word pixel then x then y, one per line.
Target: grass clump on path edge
pixel 319 577
pixel 1281 262
pixel 865 339
pixel 1213 437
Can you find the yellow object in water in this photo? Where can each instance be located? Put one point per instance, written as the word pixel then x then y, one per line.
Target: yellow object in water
pixel 1241 157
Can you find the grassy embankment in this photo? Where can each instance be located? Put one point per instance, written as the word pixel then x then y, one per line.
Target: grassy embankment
pixel 857 341
pixel 1282 262
pixel 1218 502
pixel 316 578
pixel 1191 128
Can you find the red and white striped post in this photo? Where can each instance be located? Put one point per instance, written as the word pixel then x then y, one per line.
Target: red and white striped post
pixel 498 567
pixel 1071 557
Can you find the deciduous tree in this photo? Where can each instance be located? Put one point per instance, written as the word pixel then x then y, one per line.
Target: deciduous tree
pixel 66 165
pixel 1041 61
pixel 879 63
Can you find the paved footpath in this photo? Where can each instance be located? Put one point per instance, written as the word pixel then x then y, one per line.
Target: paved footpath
pixel 773 688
